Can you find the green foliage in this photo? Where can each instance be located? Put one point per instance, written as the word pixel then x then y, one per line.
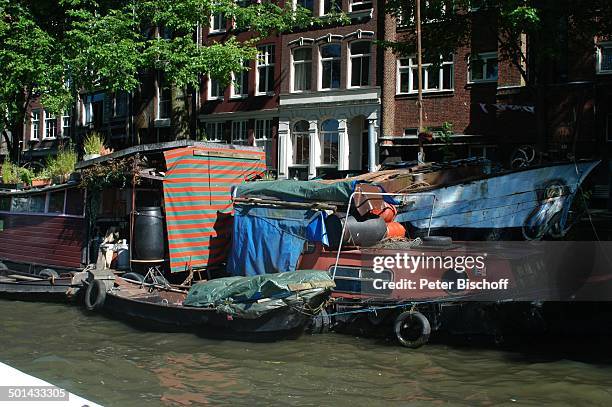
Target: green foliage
pixel 62 164
pixel 13 174
pixel 57 48
pixel 445 135
pixel 94 143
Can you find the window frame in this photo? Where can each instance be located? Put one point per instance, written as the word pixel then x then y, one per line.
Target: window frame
pixel 221 91
pixel 213 20
pixel 266 140
pixel 485 57
pixel 361 5
pixel 219 138
pixel 322 12
pixel 66 120
pixel 301 62
pixel 162 103
pixel 350 64
pixel 322 136
pixel 412 78
pixel 50 124
pixel 266 55
pixel 295 3
pixel 35 123
pixel 305 145
pixel 600 47
pixel 329 59
pixel 240 132
pixel 243 76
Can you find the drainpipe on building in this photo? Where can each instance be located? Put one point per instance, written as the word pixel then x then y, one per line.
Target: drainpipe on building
pixel 371 146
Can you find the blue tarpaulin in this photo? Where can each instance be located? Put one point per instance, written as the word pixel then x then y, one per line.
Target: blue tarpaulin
pixel 270 240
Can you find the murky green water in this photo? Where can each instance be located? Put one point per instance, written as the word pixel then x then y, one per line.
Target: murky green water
pixel 113 364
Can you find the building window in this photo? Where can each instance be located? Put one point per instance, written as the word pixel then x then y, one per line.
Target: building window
pixel 435 79
pixel 215 90
pixel 263 138
pixel 301 143
pixel 330 66
pixel 218 23
pixel 302 69
pixel 240 82
pixel 121 104
pixel 240 133
pixel 484 68
pixel 331 6
pixel 50 125
pixel 604 58
pixel 214 132
pixel 265 69
pixel 88 109
pixel 329 142
pixel 164 101
pixel 307 4
pixel 358 5
pixel 66 124
pixel 360 63
pixel 35 125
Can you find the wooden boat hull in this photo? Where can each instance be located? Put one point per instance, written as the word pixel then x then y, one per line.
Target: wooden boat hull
pixel 59 289
pixel 150 311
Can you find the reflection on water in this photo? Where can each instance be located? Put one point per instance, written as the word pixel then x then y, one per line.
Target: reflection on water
pixel 113 364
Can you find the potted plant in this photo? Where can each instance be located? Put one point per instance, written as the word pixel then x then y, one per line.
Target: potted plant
pixel 42 179
pixel 62 165
pixel 94 146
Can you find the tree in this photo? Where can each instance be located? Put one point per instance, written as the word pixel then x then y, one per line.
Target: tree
pixel 544 23
pixel 56 49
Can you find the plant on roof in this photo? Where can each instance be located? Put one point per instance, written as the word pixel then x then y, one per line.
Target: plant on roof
pixel 94 144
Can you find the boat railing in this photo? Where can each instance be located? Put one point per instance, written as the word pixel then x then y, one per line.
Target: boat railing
pixel 381 194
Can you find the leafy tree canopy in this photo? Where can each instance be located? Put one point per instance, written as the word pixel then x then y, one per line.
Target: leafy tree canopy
pixel 54 49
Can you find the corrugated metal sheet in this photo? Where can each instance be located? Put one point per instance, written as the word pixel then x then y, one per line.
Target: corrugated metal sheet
pixel 198 205
pixel 47 240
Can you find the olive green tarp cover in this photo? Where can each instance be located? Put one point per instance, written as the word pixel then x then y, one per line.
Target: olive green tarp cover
pixel 240 295
pixel 292 190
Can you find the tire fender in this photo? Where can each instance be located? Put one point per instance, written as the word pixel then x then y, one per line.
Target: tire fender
pixel 133 276
pixel 412 329
pixel 95 295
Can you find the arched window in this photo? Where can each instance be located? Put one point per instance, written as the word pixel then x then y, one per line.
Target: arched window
pixel 330 66
pixel 360 56
pixel 300 140
pixel 302 69
pixel 329 142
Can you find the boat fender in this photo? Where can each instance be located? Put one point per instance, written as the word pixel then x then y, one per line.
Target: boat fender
pixel 412 329
pixel 49 273
pixel 3 266
pixel 95 295
pixel 134 277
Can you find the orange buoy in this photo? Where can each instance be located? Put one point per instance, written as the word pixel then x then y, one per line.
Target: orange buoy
pixel 395 229
pixel 387 213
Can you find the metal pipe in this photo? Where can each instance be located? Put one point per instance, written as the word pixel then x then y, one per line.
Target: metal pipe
pixel 421 157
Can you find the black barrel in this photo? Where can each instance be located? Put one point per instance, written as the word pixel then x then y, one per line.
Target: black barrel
pixel 148 234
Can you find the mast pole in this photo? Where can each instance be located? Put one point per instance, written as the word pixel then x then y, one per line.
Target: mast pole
pixel 421 154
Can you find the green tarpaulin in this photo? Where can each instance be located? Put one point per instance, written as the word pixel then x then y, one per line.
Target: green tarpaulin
pixel 292 190
pixel 249 297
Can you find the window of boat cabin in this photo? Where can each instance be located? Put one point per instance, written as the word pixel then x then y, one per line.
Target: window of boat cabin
pixel 75 202
pixel 359 280
pixel 37 203
pixel 56 202
pixel 63 202
pixel 5 203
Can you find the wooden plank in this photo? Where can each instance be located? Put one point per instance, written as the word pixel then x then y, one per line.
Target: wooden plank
pixel 230 154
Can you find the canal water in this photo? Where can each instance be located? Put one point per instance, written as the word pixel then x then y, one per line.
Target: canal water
pixel 114 364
